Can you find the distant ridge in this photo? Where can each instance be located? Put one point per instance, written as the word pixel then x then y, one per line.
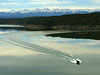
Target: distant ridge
pixel 65 22
pixel 44 12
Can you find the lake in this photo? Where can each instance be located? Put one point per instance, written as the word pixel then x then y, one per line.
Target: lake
pixel 40 53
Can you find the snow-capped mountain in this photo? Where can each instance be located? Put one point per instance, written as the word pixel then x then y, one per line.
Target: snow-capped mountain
pixel 43 12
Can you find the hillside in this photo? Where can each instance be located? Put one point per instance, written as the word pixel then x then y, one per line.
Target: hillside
pixel 67 22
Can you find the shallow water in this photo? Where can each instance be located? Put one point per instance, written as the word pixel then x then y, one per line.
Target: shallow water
pixel 18 58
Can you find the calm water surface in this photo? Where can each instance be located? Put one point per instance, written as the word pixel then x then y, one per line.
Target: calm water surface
pixel 17 58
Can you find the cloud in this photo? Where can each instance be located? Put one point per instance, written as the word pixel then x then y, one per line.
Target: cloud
pixel 11 0
pixel 43 2
pixel 8 3
pixel 96 1
pixel 6 10
pixel 74 7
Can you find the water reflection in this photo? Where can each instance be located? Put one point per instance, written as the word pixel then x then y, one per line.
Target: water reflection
pixel 16 60
pixel 68 45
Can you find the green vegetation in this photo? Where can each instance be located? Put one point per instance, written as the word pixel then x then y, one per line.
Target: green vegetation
pixel 68 22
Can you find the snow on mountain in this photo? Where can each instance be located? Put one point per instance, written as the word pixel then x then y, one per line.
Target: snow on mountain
pixel 43 12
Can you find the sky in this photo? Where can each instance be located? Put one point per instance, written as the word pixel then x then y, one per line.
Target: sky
pixel 6 5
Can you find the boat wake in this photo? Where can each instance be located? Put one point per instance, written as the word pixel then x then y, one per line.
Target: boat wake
pixel 15 40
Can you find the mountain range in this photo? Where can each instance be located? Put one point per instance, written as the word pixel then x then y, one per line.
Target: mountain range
pixel 43 12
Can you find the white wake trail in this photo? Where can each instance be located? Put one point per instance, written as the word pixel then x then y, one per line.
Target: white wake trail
pixel 18 42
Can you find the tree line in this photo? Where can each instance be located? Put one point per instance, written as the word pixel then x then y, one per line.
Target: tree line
pixel 71 21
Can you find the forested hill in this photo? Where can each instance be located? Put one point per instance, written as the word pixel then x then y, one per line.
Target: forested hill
pixel 68 22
